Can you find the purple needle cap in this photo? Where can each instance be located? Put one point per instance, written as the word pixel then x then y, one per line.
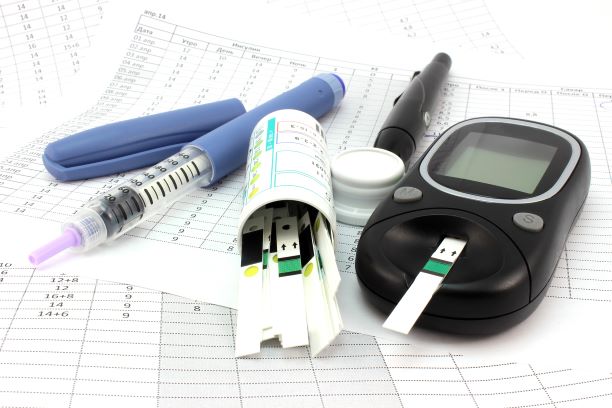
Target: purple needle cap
pixel 69 238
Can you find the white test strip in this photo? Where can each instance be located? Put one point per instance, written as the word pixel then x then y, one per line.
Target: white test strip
pixel 334 314
pixel 328 256
pixel 331 281
pixel 267 318
pixel 320 325
pixel 289 285
pixel 333 310
pixel 248 323
pixel 275 297
pixel 427 282
pixel 275 301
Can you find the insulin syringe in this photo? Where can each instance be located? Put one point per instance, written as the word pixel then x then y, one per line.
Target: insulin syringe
pixel 199 164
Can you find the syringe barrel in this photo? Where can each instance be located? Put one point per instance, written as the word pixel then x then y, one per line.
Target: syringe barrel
pixel 122 208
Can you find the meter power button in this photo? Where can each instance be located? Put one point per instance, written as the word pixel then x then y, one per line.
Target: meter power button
pixel 407 195
pixel 528 221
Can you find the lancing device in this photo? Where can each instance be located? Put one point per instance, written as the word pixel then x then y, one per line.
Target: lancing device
pixel 410 116
pixel 357 188
pixel 199 164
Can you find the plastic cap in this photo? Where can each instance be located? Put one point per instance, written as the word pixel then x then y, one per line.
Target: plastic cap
pixel 336 84
pixel 70 238
pixel 361 178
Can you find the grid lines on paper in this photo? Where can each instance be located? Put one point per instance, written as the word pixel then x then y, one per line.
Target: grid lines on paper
pixel 41 43
pixel 75 342
pixel 467 24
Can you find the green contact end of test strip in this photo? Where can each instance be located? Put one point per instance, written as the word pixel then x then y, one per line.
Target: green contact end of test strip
pixel 288 267
pixel 437 267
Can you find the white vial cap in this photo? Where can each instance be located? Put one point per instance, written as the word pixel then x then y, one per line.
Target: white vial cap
pixel 362 178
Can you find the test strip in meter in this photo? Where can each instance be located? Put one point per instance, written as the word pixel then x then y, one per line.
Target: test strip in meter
pixel 427 282
pixel 248 325
pixel 290 287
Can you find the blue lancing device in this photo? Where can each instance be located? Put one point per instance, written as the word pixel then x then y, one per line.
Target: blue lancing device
pixel 136 143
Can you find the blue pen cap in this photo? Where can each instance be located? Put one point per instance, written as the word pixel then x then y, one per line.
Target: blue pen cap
pixel 134 143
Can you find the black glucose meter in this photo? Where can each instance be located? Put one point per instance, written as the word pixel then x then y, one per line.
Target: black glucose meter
pixel 512 189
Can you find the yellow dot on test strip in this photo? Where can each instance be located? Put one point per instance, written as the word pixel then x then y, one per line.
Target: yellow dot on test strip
pixel 255 191
pixel 254 179
pixel 251 271
pixel 275 259
pixel 308 269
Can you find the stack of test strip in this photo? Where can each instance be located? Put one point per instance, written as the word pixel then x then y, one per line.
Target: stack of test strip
pixel 288 281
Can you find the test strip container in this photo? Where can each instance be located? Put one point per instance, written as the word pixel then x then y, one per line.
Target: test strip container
pixel 288 170
pixel 288 161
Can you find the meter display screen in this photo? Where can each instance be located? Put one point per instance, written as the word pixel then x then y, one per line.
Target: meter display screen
pixel 502 161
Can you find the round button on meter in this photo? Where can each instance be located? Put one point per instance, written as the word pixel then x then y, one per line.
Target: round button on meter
pixel 528 221
pixel 407 194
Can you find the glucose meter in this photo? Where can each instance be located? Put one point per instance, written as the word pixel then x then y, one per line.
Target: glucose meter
pixel 511 190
